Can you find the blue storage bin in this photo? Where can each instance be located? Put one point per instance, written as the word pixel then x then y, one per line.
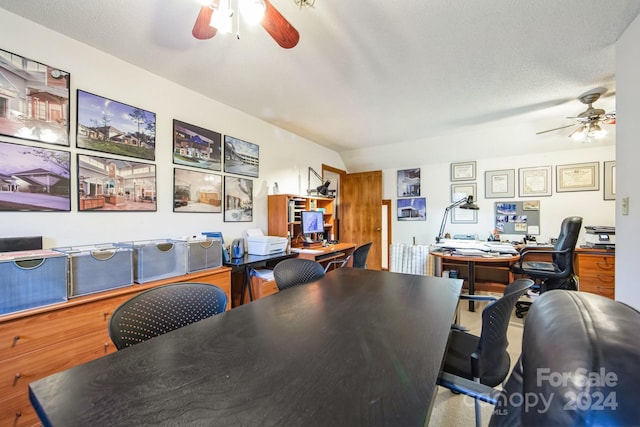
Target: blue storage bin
pixel 30 279
pixel 157 259
pixel 96 268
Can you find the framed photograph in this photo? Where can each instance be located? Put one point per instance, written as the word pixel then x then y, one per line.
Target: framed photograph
pixel 195 191
pixel 500 184
pixel 578 177
pixel 462 191
pixel 534 182
pixel 196 146
pixel 241 157
pixel 113 127
pixel 409 182
pixel 464 171
pixel 34 100
pixel 34 179
pixel 238 199
pixel 610 180
pixel 414 209
pixel 106 184
pixel 464 216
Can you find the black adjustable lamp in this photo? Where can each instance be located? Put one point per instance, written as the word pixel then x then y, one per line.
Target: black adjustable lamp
pixel 466 203
pixel 323 189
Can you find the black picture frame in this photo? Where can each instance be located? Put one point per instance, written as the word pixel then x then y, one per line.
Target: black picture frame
pixel 37 100
pixel 238 199
pixel 412 209
pixel 196 146
pixel 408 182
pixel 114 185
pixel 241 157
pixel 114 127
pixel 34 179
pixel 196 191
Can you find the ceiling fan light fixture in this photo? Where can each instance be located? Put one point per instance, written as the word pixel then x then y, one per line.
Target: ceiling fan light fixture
pixel 578 135
pixel 306 3
pixel 253 10
pixel 221 17
pixel 597 132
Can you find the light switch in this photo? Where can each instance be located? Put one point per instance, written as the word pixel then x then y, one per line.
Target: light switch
pixel 624 206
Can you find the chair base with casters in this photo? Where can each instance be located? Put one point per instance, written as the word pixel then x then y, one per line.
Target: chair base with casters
pixel 484 359
pixel 569 284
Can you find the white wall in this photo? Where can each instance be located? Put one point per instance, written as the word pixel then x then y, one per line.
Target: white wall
pixel 628 154
pixel 436 187
pixel 284 157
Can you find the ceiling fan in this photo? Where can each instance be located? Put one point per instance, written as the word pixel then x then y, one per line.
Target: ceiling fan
pixel 589 121
pixel 273 22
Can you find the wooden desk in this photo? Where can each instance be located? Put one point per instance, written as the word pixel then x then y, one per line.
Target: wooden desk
pixel 359 348
pixel 496 271
pixel 326 253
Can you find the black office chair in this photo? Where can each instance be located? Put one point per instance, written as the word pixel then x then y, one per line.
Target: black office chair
pixel 296 271
pixel 359 256
pixel 485 359
pixel 162 309
pixel 556 274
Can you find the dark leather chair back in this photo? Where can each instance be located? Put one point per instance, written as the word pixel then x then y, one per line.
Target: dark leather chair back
pixel 578 367
pixel 569 231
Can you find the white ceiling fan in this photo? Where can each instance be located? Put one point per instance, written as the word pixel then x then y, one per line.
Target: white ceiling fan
pixel 588 126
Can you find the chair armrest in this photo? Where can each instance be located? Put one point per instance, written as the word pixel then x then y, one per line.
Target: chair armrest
pixel 478 298
pixel 342 263
pixel 476 390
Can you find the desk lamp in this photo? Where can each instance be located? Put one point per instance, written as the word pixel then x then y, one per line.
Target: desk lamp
pixel 466 203
pixel 323 189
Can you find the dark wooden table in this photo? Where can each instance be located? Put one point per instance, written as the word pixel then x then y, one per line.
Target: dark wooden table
pixel 359 348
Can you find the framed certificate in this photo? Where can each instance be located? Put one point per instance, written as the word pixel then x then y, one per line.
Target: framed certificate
pixel 499 184
pixel 465 171
pixel 578 177
pixel 535 181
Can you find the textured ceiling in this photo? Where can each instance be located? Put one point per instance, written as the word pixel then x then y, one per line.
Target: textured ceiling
pixel 374 73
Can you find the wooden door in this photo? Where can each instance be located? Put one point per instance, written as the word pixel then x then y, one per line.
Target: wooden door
pixel 360 213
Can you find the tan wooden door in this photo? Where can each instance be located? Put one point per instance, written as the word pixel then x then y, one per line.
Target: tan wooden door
pixel 360 213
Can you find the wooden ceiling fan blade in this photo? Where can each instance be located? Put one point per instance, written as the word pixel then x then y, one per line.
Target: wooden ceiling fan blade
pixel 201 29
pixel 551 130
pixel 279 28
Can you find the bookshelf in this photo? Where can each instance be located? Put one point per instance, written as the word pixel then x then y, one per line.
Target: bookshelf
pixel 284 214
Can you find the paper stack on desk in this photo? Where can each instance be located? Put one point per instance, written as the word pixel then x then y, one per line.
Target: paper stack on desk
pixel 476 248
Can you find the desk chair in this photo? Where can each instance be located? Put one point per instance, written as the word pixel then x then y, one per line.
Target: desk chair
pixel 359 256
pixel 557 274
pixel 162 309
pixel 485 359
pixel 296 271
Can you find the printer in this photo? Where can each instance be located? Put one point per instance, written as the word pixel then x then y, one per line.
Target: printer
pixel 259 244
pixel 600 236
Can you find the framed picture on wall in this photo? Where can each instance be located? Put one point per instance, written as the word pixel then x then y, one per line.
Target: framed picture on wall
pixel 195 191
pixel 238 199
pixel 578 177
pixel 610 180
pixel 34 179
pixel 34 101
pixel 409 182
pixel 413 209
pixel 463 171
pixel 106 184
pixel 196 146
pixel 462 191
pixel 113 127
pixel 535 181
pixel 241 157
pixel 499 184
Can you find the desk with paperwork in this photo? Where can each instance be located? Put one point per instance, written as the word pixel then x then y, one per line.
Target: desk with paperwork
pixel 358 348
pixel 490 256
pixel 325 253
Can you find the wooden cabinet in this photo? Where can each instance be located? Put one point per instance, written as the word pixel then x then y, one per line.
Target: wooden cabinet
pixel 39 342
pixel 284 214
pixel 596 271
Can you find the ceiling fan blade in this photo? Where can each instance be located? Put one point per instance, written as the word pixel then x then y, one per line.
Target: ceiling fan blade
pixel 279 28
pixel 551 130
pixel 201 29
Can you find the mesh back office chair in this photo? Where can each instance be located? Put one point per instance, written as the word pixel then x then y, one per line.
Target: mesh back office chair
pixel 557 274
pixel 485 359
pixel 296 271
pixel 359 256
pixel 162 309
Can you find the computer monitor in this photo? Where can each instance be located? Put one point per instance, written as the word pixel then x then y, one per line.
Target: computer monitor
pixel 312 222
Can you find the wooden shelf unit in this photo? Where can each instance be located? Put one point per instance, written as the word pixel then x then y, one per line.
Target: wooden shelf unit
pixel 284 214
pixel 42 341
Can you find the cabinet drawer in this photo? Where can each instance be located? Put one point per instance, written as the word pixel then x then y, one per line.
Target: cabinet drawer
pixel 16 373
pixel 18 412
pixel 55 327
pixel 595 264
pixel 262 288
pixel 605 291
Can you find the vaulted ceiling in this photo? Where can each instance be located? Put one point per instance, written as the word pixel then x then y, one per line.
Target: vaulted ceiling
pixel 376 74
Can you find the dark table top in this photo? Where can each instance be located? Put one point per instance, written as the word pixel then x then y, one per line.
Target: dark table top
pixel 359 348
pixel 254 259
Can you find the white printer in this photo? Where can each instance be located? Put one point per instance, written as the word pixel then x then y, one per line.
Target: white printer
pixel 600 236
pixel 259 244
